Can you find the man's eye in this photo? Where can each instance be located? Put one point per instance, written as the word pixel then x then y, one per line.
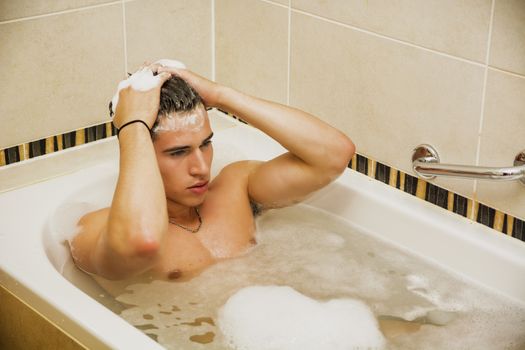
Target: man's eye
pixel 178 153
pixel 206 144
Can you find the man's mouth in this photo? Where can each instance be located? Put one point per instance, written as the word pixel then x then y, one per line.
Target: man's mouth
pixel 199 187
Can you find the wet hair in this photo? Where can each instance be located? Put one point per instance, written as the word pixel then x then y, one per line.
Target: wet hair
pixel 176 95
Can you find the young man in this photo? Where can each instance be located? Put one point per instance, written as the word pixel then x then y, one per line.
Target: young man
pixel 167 217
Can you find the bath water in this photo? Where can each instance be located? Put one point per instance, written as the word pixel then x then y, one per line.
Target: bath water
pixel 326 258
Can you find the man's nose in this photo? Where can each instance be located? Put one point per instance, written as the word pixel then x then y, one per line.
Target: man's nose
pixel 198 165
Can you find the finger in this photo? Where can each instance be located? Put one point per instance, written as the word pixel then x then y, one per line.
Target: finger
pixel 163 76
pixel 154 67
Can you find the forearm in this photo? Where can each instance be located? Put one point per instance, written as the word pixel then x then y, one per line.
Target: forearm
pixel 307 137
pixel 138 215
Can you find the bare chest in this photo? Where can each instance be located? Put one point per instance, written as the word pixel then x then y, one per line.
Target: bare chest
pixel 223 234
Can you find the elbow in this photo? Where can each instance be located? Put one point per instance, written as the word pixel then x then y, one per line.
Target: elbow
pixel 344 150
pixel 140 245
pixel 147 248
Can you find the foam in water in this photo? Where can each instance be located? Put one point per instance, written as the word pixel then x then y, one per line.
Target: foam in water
pixel 322 258
pixel 279 317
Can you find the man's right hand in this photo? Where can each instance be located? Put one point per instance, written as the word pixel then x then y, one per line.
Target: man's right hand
pixel 142 105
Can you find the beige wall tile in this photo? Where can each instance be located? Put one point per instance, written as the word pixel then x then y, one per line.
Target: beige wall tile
pixel 508 36
pixel 252 47
pixel 24 8
pixel 502 138
pixel 58 72
pixel 455 27
pixel 386 96
pixel 282 2
pixel 179 29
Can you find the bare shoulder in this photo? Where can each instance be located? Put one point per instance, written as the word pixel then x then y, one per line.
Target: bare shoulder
pixel 238 171
pixel 90 227
pixel 94 219
pixel 229 189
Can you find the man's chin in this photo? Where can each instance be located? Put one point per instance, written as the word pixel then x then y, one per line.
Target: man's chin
pixel 189 202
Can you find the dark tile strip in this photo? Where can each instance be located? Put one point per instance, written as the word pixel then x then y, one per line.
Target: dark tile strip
pixel 89 134
pixel 362 164
pixel 410 184
pixel 382 173
pixel 12 155
pixel 233 116
pixel 442 197
pixel 37 148
pixel 460 205
pixel 486 215
pixel 518 231
pixel 55 143
pixel 505 224
pixel 68 140
pixel 431 193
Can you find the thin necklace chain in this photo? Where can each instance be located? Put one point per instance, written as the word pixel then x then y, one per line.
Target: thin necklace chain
pixel 171 221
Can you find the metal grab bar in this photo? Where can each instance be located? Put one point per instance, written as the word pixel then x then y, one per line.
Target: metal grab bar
pixel 425 162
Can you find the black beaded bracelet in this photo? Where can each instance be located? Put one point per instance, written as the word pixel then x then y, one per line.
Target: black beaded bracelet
pixel 131 122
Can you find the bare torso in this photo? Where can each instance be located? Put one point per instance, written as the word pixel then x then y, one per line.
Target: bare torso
pixel 227 230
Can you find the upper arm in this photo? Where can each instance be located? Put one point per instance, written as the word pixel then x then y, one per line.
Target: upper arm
pixel 92 253
pixel 284 180
pixel 86 241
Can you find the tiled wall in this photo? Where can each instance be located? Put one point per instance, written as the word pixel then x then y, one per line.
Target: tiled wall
pixel 61 60
pixel 392 75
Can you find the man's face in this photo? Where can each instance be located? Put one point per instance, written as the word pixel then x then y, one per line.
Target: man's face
pixel 184 157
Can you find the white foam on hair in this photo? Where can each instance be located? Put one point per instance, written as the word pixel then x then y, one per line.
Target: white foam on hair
pixel 143 79
pixel 192 121
pixel 279 317
pixel 169 63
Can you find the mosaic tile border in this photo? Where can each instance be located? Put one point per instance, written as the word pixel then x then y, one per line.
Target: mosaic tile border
pixel 420 188
pixel 441 197
pixel 56 143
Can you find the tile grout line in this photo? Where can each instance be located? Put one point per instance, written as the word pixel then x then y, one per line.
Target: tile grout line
pixel 483 96
pixel 386 37
pixel 275 3
pixel 289 52
pixel 125 37
pixel 508 72
pixel 62 12
pixel 213 46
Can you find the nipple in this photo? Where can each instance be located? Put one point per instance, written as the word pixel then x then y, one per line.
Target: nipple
pixel 174 274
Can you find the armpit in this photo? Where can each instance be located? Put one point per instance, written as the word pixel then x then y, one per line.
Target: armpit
pixel 256 208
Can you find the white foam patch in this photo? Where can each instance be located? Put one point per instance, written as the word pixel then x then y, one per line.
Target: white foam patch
pixel 169 63
pixel 279 317
pixel 192 121
pixel 143 79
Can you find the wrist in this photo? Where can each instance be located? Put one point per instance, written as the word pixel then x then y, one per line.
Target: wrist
pixel 133 124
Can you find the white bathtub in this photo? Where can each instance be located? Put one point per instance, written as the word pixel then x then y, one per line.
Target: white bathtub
pixel 31 257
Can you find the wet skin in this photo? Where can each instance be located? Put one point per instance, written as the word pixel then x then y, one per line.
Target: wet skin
pixel 228 228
